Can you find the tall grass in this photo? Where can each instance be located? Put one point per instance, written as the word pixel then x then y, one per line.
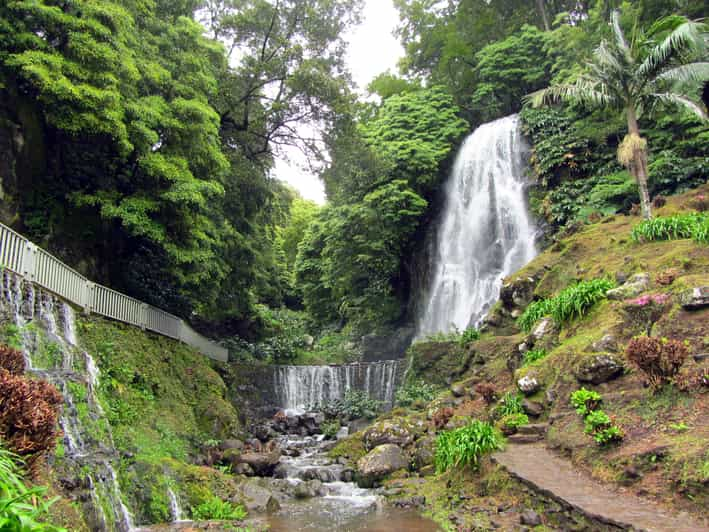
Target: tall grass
pixel 18 513
pixel 694 225
pixel 572 302
pixel 465 446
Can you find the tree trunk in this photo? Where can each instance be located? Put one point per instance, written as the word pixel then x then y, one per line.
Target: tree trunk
pixel 543 13
pixel 638 165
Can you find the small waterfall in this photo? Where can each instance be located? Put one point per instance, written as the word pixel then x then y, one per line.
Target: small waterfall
pixel 175 509
pixel 41 320
pixel 485 231
pixel 305 387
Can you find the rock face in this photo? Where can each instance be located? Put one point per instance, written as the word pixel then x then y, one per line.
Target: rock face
pixel 695 298
pixel 378 463
pixel 390 345
pixel 634 286
pixel 262 464
pixel 258 499
pixel 600 368
pixel 389 431
pixel 528 385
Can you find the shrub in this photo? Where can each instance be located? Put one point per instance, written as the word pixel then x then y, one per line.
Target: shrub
pixel 573 301
pixel 678 226
pixel 20 510
pixel 645 310
pixel 487 391
pixel 470 335
pixel 330 429
pixel 694 380
pixel 509 424
pixel 441 417
pixel 533 355
pixel 355 404
pixel 414 392
pixel 659 359
pixel 215 508
pixel 465 446
pixel 596 420
pixel 585 401
pixel 659 201
pixel 12 360
pixel 511 403
pixel 29 411
pixel 608 435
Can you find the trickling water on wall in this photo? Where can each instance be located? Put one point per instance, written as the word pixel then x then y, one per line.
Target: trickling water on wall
pixel 485 233
pixel 303 387
pixel 42 320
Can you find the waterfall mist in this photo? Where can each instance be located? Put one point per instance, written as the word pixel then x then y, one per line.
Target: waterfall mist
pixel 485 231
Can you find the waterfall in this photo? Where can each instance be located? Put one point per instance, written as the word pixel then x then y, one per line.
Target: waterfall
pixel 299 388
pixel 43 322
pixel 485 231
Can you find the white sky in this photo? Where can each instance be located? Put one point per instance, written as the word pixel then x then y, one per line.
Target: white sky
pixel 373 49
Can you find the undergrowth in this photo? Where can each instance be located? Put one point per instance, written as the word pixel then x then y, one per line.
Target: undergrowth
pixel 465 446
pixel 676 227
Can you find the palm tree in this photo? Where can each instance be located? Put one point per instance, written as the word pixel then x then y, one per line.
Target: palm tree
pixel 635 77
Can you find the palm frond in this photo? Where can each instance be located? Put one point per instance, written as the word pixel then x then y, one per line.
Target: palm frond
pixel 583 91
pixel 690 36
pixel 686 73
pixel 677 99
pixel 620 41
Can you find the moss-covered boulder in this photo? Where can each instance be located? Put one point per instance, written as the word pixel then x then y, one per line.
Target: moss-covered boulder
pixel 379 463
pixel 599 368
pixel 398 431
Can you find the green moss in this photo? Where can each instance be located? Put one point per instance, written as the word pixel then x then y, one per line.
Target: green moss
pixel 351 447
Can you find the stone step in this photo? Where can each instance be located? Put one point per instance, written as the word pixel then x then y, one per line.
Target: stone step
pixel 525 438
pixel 533 428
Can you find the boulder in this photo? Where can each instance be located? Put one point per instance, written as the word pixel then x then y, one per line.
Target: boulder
pixel 232 444
pixel 308 489
pixel 358 424
pixel 263 464
pixel 457 390
pixel 518 293
pixel 243 469
pixel 607 344
pixel 378 463
pixel 528 385
pixel 532 408
pixel 543 329
pixel 600 368
pixel 258 499
pixel 397 432
pixel 695 298
pixel 424 452
pixel 530 518
pixel 634 286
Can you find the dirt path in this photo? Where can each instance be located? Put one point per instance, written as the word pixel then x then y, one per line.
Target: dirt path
pixel 558 479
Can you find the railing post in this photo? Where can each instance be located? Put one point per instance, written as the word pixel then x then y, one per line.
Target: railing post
pixel 29 260
pixel 88 297
pixel 181 330
pixel 144 315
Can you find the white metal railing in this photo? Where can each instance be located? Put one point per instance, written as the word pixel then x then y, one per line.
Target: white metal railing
pixel 26 259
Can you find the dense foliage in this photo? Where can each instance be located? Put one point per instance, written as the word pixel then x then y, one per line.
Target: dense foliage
pixel 465 446
pixel 678 226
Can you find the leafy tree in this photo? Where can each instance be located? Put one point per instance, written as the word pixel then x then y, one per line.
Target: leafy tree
pixel 633 77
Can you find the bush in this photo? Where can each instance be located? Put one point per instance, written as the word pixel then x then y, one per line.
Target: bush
pixel 510 423
pixel 487 391
pixel 12 360
pixel 414 392
pixel 330 429
pixel 596 420
pixel 659 359
pixel 573 301
pixel 608 435
pixel 470 335
pixel 215 508
pixel 441 417
pixel 678 226
pixel 19 509
pixel 465 446
pixel 355 404
pixel 533 355
pixel 29 411
pixel 585 401
pixel 511 403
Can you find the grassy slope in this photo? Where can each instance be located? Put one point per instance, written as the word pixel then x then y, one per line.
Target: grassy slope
pixel 666 433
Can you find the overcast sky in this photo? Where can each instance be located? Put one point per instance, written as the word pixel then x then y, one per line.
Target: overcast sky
pixel 372 50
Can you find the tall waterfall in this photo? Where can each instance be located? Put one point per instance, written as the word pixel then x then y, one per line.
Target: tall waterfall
pixel 303 387
pixel 485 232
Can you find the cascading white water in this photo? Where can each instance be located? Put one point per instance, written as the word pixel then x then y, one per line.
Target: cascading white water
pixel 301 387
pixel 485 232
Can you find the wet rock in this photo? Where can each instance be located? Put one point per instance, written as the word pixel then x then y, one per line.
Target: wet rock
pixel 518 293
pixel 258 499
pixel 695 298
pixel 424 452
pixel 634 286
pixel 600 368
pixel 243 469
pixel 322 474
pixel 528 385
pixel 390 345
pixel 607 344
pixel 263 433
pixel 530 518
pixel 263 464
pixel 532 408
pixel 378 463
pixel 397 432
pixel 358 424
pixel 308 489
pixel 232 444
pixel 417 501
pixel 347 475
